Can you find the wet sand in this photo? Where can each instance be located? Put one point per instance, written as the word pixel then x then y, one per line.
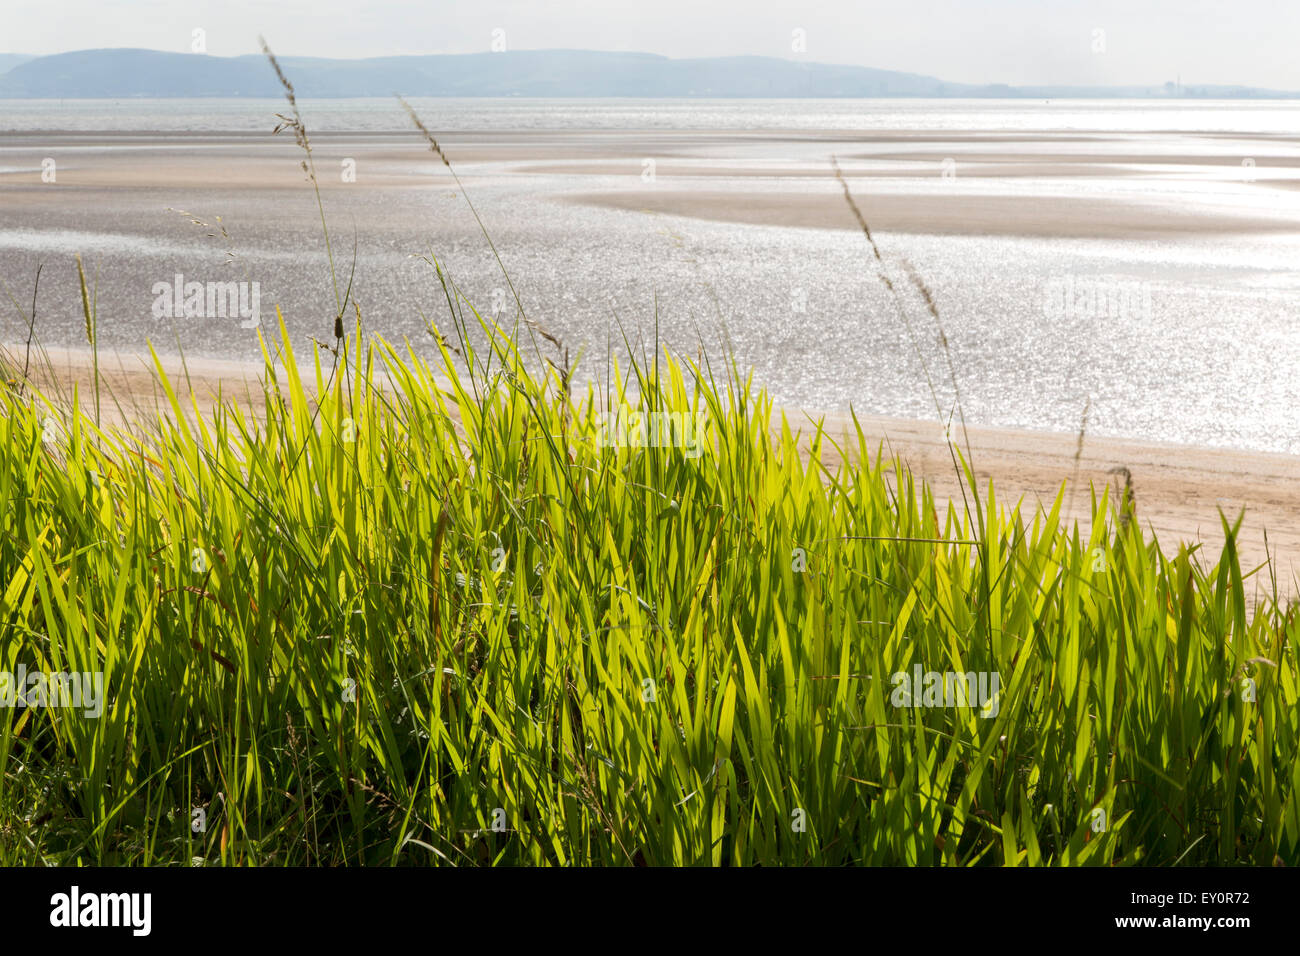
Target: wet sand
pixel 1057 217
pixel 559 201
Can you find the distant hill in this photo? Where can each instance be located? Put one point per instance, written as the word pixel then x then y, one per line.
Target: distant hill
pixel 126 73
pixel 9 60
pixel 581 73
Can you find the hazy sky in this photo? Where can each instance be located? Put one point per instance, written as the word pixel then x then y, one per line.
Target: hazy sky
pixel 1252 42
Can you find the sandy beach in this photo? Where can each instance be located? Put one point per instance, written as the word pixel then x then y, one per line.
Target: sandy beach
pixel 1179 490
pixel 733 236
pixel 712 234
pixel 1046 217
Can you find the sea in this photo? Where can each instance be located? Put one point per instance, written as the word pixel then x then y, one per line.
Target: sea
pixel 1139 259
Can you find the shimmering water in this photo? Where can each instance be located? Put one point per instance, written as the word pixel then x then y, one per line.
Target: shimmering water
pixel 1189 332
pixel 223 114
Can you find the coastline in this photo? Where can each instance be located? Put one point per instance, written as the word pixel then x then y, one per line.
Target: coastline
pixel 741 234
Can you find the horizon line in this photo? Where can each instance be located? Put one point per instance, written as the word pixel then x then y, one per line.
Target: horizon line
pixel 682 59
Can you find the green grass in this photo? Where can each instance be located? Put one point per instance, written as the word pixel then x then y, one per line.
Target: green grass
pixel 317 641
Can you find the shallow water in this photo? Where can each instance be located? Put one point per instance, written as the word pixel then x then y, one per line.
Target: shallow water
pixel 1191 335
pixel 452 113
